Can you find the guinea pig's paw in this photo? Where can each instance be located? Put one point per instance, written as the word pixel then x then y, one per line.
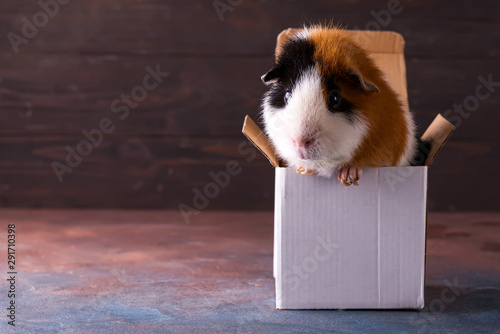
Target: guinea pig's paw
pixel 349 175
pixel 305 171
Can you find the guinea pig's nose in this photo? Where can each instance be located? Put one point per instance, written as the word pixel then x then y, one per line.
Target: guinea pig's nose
pixel 303 142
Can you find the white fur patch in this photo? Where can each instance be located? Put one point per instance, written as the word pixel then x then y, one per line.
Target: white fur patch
pixel 306 115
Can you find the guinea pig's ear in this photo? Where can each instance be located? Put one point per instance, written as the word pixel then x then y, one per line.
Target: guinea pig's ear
pixel 270 77
pixel 367 86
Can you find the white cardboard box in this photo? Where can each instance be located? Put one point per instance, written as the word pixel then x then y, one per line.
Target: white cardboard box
pixel 350 247
pixel 363 247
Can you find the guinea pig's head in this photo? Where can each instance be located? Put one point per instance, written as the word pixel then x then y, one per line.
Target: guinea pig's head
pixel 310 111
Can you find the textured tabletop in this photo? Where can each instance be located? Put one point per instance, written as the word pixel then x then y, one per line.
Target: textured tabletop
pixel 149 272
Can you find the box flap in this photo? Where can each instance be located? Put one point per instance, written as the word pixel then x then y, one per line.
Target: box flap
pixel 437 134
pixel 260 140
pixel 380 41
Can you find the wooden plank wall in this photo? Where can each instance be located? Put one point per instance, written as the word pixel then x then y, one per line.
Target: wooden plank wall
pixel 65 76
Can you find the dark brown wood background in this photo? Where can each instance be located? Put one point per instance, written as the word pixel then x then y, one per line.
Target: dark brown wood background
pixel 65 78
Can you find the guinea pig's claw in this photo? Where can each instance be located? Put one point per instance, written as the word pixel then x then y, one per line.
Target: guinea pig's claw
pixel 304 171
pixel 349 175
pixel 346 183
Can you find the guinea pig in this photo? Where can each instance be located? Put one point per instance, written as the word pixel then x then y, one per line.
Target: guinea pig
pixel 329 108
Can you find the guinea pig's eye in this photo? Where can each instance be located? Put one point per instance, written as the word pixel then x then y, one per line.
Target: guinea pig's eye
pixel 333 100
pixel 287 96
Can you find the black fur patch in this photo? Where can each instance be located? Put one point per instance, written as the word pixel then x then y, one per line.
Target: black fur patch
pixel 423 150
pixel 297 57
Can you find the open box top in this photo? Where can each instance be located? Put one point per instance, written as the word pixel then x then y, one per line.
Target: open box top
pixel 386 49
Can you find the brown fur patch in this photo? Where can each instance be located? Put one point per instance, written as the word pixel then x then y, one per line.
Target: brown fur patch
pixel 338 55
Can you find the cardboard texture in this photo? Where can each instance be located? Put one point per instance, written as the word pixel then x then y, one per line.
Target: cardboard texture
pixel 363 247
pixel 350 247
